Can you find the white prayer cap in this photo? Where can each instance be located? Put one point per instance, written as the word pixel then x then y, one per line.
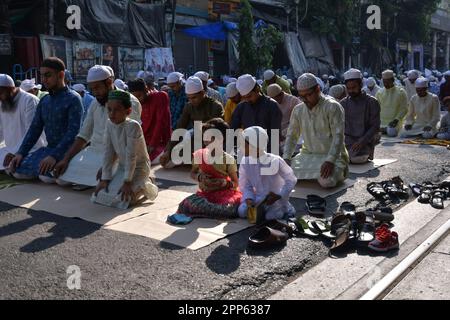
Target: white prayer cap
pixel 447 73
pixel 371 82
pixel 174 77
pixel 231 80
pixel 194 85
pixel 353 74
pixel 284 77
pixel 325 77
pixel 365 74
pixel 245 84
pixel 413 74
pixel 421 83
pixel 306 81
pixel 202 75
pixel 29 84
pixel 79 87
pixel 99 73
pixel 388 74
pixel 232 91
pixel 274 90
pixel 210 82
pixel 121 85
pixel 337 91
pixel 6 81
pixel 257 137
pixel 269 74
pixel 260 82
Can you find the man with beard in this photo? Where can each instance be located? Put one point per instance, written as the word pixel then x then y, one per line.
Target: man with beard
pixel 17 109
pixel 58 115
pixel 321 121
pixel 80 165
pixel 362 119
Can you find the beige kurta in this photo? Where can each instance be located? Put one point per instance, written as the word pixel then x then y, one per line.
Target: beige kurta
pixel 423 112
pixel 323 133
pixel 84 166
pixel 394 105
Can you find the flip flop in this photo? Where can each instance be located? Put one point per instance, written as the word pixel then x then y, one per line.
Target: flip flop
pixel 305 227
pixel 340 228
pixel 289 228
pixel 347 209
pixel 316 205
pixel 380 215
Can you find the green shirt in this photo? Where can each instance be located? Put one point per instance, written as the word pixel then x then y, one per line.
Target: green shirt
pixel 284 84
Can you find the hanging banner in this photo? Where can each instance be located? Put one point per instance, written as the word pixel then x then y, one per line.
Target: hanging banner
pixel 159 61
pixel 131 61
pixel 110 57
pixel 57 47
pixel 85 55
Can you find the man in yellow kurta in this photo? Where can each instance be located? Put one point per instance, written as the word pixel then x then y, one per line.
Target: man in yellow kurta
pixel 234 98
pixel 424 113
pixel 270 78
pixel 394 105
pixel 410 83
pixel 321 120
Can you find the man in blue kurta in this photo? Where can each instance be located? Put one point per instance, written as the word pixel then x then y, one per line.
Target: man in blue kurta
pixel 58 115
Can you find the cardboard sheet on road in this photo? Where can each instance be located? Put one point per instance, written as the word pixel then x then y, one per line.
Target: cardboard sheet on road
pixel 305 188
pixel 149 218
pixel 372 165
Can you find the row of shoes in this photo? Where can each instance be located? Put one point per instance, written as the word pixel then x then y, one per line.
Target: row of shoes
pixel 434 194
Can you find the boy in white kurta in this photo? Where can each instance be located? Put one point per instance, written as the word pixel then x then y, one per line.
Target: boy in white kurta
pixel 125 144
pixel 265 176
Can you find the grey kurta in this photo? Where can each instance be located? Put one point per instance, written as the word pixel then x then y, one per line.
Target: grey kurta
pixel 323 133
pixel 362 122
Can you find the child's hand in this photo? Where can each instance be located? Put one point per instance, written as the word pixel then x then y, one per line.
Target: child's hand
pixel 126 191
pixel 103 184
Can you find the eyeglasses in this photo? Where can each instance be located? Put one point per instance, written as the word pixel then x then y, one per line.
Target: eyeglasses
pixel 306 96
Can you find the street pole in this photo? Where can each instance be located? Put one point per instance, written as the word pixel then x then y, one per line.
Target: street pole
pixel 296 14
pixel 434 54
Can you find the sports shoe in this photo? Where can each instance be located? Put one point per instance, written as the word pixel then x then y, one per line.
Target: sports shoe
pixel 385 240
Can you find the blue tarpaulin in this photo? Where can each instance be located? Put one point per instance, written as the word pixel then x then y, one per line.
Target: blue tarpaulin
pixel 213 31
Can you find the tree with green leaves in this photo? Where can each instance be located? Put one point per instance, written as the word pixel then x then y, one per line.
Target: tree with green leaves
pixel 246 45
pixel 267 39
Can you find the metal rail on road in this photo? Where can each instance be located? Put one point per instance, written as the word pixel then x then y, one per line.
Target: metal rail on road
pixel 378 290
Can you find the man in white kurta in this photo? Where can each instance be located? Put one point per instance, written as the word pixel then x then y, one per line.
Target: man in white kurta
pixel 424 113
pixel 17 109
pixel 263 175
pixel 410 83
pixel 372 88
pixel 81 165
pixel 321 120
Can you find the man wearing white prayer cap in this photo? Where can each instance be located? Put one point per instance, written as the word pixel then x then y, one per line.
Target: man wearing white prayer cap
pixel 210 92
pixel 17 109
pixel 410 87
pixel 177 96
pixel 81 163
pixel 371 87
pixel 394 105
pixel 423 113
pixel 200 108
pixel 338 92
pixel 234 98
pixel 362 119
pixel 264 176
pixel 255 109
pixel 271 78
pixel 286 103
pixel 30 86
pixel 120 84
pixel 320 119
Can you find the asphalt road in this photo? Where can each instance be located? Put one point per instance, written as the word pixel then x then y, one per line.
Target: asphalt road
pixel 36 248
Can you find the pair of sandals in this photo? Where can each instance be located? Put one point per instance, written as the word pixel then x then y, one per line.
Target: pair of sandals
pixel 433 194
pixel 271 234
pixel 383 191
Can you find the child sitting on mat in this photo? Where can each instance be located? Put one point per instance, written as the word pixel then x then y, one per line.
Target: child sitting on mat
pixel 125 145
pixel 216 172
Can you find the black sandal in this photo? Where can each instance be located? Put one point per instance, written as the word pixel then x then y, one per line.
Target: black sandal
pixel 437 199
pixel 316 205
pixel 377 191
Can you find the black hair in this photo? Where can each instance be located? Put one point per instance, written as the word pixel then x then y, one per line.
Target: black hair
pixel 54 63
pixel 137 85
